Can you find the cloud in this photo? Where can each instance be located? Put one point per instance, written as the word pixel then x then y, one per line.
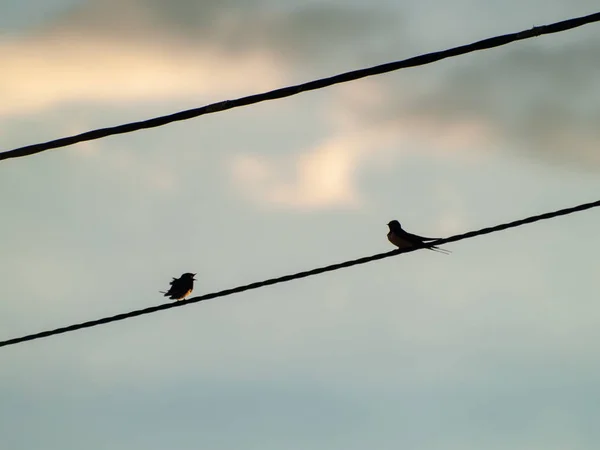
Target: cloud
pixel 321 177
pixel 80 70
pixel 328 173
pixel 154 50
pixel 538 101
pixel 290 31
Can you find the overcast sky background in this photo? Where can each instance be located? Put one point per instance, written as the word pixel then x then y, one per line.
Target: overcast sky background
pixel 492 347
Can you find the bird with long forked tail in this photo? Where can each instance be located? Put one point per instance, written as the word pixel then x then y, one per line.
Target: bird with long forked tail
pixel 403 239
pixel 180 287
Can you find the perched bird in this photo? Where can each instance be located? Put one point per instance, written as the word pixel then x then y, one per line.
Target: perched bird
pixel 181 287
pixel 403 239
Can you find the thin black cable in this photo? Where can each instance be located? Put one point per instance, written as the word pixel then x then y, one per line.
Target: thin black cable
pixel 296 276
pixel 297 89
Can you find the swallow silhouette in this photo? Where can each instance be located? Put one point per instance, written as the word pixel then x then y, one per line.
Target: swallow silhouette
pixel 180 287
pixel 403 239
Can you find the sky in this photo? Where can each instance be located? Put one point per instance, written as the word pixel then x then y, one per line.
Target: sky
pixel 494 346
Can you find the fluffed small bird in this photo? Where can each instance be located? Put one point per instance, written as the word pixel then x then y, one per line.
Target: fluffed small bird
pixel 402 239
pixel 181 287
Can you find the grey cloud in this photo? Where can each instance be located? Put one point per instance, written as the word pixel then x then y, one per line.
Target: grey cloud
pixel 540 101
pixel 310 31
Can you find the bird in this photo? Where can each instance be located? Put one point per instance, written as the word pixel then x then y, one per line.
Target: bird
pixel 403 239
pixel 180 287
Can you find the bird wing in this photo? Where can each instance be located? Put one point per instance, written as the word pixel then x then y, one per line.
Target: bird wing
pixel 421 240
pixel 174 293
pixel 175 286
pixel 415 239
pixel 180 287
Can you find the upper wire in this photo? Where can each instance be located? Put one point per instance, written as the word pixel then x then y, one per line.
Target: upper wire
pixel 299 88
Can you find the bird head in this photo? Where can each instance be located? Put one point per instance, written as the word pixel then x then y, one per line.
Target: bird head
pixel 394 225
pixel 189 276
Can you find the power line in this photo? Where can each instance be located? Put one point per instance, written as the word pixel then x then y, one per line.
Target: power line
pixel 299 88
pixel 296 276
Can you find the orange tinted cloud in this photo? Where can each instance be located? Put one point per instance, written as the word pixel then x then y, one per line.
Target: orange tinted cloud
pixel 45 71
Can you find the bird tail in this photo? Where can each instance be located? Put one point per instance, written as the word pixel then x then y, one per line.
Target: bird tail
pixel 439 250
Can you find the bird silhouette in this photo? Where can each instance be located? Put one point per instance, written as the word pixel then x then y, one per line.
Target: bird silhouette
pixel 180 287
pixel 403 239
